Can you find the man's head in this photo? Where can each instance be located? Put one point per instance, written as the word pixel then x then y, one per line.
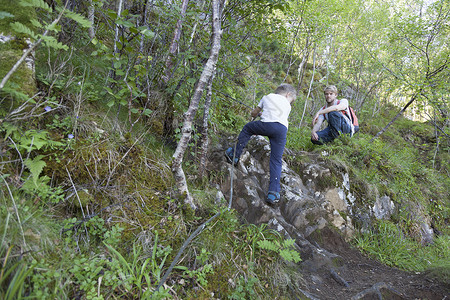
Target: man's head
pixel 330 93
pixel 287 90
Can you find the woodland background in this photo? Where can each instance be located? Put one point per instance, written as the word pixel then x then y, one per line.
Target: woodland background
pixel 108 109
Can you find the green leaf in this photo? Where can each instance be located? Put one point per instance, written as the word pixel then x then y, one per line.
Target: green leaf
pixel 147 112
pixel 117 64
pixel 112 14
pixel 133 29
pixel 148 33
pixel 125 23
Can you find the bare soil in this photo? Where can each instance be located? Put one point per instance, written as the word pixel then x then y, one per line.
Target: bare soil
pixel 359 277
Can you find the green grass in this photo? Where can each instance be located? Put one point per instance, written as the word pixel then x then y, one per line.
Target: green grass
pixel 388 244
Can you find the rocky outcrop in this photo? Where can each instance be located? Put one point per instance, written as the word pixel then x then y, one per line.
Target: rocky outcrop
pixel 305 207
pixel 316 205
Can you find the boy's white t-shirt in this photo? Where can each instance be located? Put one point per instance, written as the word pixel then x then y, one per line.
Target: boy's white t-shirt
pixel 275 108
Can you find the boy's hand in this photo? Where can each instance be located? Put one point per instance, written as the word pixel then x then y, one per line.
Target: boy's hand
pixel 256 112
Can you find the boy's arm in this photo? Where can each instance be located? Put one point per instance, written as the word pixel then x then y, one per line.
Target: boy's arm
pixel 255 112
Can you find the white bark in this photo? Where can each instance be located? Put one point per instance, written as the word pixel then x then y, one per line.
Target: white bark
pixel 91 12
pixel 206 75
pixel 174 44
pixel 116 37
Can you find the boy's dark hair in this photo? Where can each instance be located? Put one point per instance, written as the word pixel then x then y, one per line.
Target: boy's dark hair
pixel 286 88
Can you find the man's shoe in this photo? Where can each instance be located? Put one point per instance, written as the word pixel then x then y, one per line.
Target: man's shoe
pixel 229 154
pixel 273 197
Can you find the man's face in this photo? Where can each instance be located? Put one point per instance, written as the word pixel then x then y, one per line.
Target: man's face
pixel 330 96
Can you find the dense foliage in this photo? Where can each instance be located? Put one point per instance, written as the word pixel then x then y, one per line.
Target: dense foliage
pixel 88 208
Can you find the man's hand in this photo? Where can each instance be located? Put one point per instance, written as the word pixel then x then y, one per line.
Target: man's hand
pixel 314 136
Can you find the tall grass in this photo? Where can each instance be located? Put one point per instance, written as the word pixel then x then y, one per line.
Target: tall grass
pixel 387 243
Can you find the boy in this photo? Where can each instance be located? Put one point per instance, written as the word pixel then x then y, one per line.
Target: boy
pixel 337 122
pixel 274 110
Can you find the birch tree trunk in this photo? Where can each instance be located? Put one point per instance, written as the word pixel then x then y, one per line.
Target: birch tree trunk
pixel 396 117
pixel 91 12
pixel 310 87
pixel 174 44
pixel 205 140
pixel 116 37
pixel 206 75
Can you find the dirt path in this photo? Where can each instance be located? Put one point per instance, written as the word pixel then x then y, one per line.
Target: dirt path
pixel 363 278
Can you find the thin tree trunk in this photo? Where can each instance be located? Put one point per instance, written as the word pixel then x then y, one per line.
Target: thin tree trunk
pixel 202 5
pixel 144 23
pixel 174 45
pixel 205 140
pixel 91 12
pixel 302 66
pixel 207 73
pixel 310 86
pixel 414 97
pixel 116 36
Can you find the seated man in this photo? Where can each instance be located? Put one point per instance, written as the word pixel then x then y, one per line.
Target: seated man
pixel 338 123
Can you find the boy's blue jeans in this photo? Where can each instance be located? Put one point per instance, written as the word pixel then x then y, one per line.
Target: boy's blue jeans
pixel 276 132
pixel 337 124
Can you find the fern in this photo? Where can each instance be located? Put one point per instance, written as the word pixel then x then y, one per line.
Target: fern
pixel 20 28
pixel 53 27
pixel 79 19
pixel 36 23
pixel 288 243
pixel 268 245
pixel 9 128
pixel 284 250
pixel 290 255
pixel 35 166
pixel 36 4
pixel 37 139
pixel 53 43
pixel 4 15
pixel 16 94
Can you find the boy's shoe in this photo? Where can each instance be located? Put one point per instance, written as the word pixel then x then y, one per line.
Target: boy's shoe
pixel 273 197
pixel 229 153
